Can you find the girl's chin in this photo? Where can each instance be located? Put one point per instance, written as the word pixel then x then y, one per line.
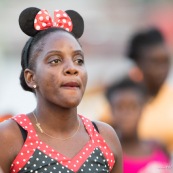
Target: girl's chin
pixel 72 104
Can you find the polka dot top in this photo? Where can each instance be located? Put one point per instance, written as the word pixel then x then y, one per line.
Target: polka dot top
pixel 36 156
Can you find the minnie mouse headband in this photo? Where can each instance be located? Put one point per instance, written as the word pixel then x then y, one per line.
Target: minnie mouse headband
pixel 32 20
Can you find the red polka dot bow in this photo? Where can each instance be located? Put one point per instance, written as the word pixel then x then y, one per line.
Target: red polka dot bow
pixel 61 20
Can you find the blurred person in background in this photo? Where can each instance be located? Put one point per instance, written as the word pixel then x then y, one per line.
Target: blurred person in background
pixel 150 53
pixel 127 99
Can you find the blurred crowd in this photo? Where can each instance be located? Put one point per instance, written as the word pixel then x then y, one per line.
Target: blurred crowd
pixel 141 108
pixel 137 101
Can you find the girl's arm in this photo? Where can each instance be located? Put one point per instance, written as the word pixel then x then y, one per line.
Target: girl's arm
pixel 10 143
pixel 110 136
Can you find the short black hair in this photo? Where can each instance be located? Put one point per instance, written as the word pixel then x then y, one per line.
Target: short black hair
pixel 142 39
pixel 124 84
pixel 27 56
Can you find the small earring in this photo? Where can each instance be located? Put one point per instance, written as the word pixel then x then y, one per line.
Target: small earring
pixel 34 86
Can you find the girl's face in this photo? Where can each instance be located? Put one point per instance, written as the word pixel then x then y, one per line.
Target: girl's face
pixel 60 72
pixel 126 108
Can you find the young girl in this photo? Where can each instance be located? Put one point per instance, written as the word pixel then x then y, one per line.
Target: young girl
pixel 127 99
pixel 54 138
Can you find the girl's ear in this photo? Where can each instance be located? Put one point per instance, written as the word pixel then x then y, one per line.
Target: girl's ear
pixel 29 76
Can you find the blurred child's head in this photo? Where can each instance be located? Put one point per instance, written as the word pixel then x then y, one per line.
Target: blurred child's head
pixel 126 99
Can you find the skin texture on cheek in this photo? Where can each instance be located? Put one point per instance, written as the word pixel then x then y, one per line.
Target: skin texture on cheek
pixel 51 91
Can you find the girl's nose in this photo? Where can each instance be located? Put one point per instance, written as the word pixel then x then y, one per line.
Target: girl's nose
pixel 70 69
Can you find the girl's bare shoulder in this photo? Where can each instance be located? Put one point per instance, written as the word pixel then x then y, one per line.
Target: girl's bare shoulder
pixel 11 143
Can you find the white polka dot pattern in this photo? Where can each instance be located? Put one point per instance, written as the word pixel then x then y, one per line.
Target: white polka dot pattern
pixel 61 19
pixel 37 156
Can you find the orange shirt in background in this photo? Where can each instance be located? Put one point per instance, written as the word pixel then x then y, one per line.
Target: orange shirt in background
pixel 5 117
pixel 157 118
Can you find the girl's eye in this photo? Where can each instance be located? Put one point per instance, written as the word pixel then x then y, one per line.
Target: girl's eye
pixel 55 61
pixel 80 61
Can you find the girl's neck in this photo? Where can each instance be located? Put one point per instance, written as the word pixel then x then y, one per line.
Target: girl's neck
pixel 56 118
pixel 152 91
pixel 130 141
pixel 135 147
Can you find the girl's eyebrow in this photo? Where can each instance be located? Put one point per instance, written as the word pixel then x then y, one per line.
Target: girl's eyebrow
pixel 53 51
pixel 59 52
pixel 78 51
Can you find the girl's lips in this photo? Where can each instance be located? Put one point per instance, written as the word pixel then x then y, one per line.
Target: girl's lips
pixel 71 84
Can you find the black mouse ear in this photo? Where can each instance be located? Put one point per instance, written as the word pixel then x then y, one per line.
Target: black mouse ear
pixel 78 23
pixel 26 20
